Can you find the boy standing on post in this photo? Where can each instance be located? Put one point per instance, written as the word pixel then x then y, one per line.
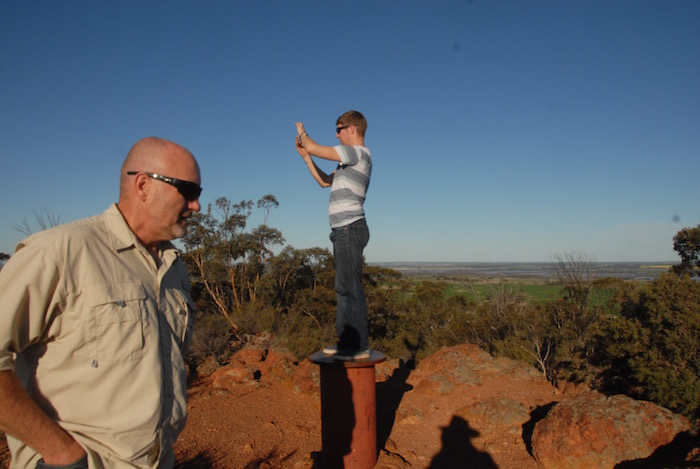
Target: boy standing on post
pixel 349 232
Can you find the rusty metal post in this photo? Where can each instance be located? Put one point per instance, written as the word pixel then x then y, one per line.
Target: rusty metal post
pixel 348 411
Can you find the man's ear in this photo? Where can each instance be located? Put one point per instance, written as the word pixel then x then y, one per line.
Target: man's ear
pixel 143 185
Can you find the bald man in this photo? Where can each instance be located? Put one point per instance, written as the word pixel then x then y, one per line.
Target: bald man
pixel 95 317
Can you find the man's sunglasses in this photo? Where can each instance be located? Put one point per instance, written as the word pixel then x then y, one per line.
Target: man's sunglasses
pixel 189 190
pixel 338 129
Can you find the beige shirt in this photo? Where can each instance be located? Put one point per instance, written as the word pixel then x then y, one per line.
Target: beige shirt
pixel 96 331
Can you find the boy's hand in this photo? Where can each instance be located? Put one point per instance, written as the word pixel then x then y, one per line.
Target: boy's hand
pixel 302 151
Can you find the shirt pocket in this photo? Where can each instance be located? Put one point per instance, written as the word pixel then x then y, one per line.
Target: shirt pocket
pixel 180 314
pixel 115 331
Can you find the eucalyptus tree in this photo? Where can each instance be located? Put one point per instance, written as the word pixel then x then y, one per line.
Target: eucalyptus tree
pixel 226 258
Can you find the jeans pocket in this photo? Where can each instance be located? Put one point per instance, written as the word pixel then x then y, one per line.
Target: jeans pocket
pixel 360 236
pixel 81 464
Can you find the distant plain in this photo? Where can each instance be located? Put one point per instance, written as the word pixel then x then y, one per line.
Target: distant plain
pixel 525 270
pixel 537 281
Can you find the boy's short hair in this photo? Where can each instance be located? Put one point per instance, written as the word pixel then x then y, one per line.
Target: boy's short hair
pixel 355 119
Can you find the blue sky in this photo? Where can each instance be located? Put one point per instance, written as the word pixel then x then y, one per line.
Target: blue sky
pixel 499 130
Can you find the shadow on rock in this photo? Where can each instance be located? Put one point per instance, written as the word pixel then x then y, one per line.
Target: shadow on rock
pixel 389 395
pixel 457 449
pixel 673 455
pixel 536 415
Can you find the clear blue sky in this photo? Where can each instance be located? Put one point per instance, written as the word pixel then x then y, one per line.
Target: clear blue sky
pixel 500 130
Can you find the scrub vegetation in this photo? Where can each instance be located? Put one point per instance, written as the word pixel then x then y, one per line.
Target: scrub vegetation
pixel 640 338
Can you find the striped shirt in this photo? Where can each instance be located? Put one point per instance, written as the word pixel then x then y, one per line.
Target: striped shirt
pixel 350 183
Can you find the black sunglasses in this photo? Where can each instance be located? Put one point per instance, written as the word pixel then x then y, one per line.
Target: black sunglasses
pixel 189 190
pixel 338 129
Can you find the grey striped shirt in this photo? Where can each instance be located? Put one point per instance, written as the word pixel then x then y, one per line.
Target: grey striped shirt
pixel 350 183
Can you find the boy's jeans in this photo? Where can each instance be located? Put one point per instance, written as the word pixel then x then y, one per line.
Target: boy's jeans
pixel 351 318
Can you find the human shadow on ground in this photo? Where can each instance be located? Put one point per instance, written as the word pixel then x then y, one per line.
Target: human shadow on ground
pixel 202 460
pixel 457 449
pixel 672 455
pixel 389 396
pixel 271 459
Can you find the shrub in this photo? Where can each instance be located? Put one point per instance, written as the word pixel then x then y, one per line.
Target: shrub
pixel 211 338
pixel 667 368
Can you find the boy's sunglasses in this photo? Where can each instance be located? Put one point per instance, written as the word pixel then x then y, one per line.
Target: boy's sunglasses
pixel 189 190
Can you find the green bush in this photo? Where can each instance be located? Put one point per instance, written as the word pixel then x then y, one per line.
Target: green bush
pixel 212 337
pixel 667 368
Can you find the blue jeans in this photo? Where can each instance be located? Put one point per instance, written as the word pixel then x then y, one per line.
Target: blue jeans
pixel 80 464
pixel 351 317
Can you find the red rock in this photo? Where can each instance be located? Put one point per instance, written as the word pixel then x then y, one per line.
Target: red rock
pixel 230 375
pixel 307 378
pixel 249 356
pixel 277 365
pixel 593 431
pixel 385 369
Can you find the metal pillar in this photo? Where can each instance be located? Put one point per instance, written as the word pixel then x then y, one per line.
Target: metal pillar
pixel 348 411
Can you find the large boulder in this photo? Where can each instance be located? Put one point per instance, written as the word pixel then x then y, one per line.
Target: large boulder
pixel 591 430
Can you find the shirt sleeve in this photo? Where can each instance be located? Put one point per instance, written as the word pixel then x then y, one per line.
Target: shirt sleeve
pixel 348 155
pixel 28 285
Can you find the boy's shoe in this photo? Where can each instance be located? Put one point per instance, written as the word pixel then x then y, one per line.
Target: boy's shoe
pixel 330 350
pixel 350 356
pixel 345 354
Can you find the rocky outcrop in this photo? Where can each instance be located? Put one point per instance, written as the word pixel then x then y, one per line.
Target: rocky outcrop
pixel 461 407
